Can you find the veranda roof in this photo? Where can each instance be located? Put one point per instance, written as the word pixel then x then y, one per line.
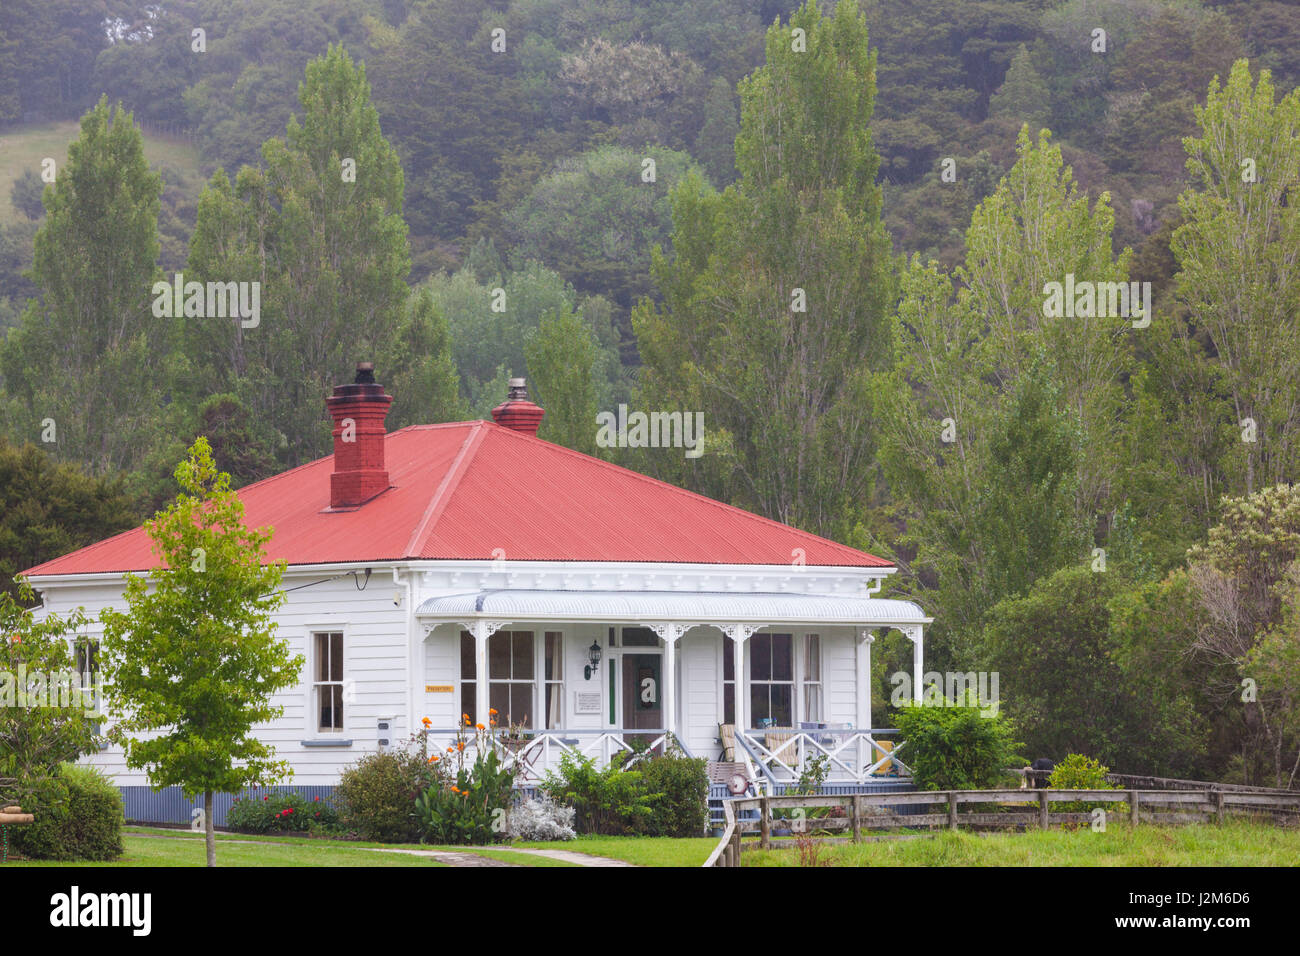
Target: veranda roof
pixel 690 607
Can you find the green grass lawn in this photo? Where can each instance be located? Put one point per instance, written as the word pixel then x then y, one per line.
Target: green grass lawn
pixel 643 851
pixel 144 850
pixel 1233 844
pixel 24 147
pixel 162 846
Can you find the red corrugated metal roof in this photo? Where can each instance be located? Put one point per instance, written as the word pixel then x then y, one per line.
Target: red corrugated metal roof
pixel 464 490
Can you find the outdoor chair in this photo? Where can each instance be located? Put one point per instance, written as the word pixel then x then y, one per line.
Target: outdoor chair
pixel 784 747
pixel 727 737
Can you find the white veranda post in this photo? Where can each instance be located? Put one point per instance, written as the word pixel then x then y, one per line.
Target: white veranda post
pixel 482 630
pixel 739 634
pixel 669 634
pixel 865 640
pixel 916 635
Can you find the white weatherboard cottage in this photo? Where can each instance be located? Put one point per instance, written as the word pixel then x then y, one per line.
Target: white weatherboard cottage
pixel 448 570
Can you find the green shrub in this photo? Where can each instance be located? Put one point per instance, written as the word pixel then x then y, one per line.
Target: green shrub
pixel 655 796
pixel 611 802
pixel 376 796
pixel 48 799
pixel 282 813
pixel 679 788
pixel 472 809
pixel 1078 772
pixel 78 814
pixel 957 747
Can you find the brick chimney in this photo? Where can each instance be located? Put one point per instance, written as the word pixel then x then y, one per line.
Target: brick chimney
pixel 517 412
pixel 358 411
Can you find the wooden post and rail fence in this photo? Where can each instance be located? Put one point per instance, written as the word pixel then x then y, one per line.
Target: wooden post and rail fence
pixel 11 816
pixel 992 810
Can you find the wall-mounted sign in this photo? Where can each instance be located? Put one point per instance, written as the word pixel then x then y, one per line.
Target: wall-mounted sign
pixel 439 688
pixel 586 702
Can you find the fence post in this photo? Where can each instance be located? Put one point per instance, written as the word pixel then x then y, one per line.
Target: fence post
pixel 1134 817
pixel 1218 806
pixel 952 809
pixel 857 818
pixel 764 825
pixel 1043 819
pixel 735 844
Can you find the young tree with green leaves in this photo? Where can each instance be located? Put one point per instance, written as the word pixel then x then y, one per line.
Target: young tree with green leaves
pixel 193 662
pixel 89 358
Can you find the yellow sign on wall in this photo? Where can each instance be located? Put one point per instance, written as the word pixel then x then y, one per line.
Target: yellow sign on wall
pixel 439 688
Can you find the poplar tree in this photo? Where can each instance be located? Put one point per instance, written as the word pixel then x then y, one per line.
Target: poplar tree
pixel 193 662
pixel 561 357
pixel 776 299
pixel 87 363
pixel 320 227
pixel 1238 254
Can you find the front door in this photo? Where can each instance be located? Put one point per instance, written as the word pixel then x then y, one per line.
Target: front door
pixel 642 694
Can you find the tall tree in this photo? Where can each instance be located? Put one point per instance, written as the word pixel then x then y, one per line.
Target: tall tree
pixel 1238 253
pixel 999 422
pixel 1023 95
pixel 320 228
pixel 193 662
pixel 561 358
pixel 775 302
pixel 1246 579
pixel 90 358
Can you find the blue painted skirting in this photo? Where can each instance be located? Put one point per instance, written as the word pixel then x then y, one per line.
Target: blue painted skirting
pixel 146 805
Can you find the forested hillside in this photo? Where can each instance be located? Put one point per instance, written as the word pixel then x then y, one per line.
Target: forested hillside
pixel 831 228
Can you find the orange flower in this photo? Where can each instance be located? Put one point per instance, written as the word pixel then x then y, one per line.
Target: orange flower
pixel 460 745
pixel 427 722
pixel 480 727
pixel 492 711
pixel 433 758
pixel 455 789
pixel 466 716
pixel 448 750
pixel 492 722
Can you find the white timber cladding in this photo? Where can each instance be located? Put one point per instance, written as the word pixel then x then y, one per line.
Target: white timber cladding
pixel 403 663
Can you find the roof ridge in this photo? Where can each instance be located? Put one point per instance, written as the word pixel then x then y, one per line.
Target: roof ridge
pixel 730 509
pixel 446 488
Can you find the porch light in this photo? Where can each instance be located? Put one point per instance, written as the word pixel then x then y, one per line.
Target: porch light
pixel 593 660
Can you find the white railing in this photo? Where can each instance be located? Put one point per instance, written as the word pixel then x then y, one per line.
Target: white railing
pixel 538 751
pixel 780 755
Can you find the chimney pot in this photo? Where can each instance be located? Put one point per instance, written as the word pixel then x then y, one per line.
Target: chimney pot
pixel 517 412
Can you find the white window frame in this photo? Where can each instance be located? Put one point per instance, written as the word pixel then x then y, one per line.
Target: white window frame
pixel 100 714
pixel 805 683
pixel 538 681
pixel 793 682
pixel 314 729
pixel 543 682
